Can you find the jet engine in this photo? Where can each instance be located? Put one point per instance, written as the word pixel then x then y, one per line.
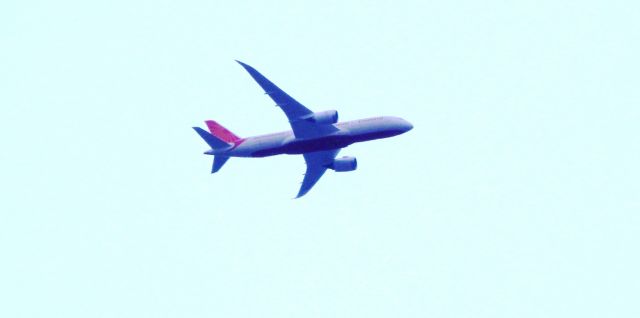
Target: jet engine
pixel 344 164
pixel 325 117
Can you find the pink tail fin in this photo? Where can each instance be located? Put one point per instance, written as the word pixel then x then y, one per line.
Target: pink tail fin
pixel 221 133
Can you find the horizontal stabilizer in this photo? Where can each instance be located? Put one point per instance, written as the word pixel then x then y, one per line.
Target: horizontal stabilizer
pixel 218 162
pixel 211 140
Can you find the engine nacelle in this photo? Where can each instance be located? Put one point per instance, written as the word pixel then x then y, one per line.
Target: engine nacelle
pixel 325 117
pixel 344 164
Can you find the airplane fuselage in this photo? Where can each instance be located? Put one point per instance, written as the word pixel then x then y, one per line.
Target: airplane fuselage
pixel 347 133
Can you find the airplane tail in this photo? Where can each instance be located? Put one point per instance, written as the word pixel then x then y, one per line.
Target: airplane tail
pixel 214 142
pixel 219 138
pixel 221 133
pixel 218 162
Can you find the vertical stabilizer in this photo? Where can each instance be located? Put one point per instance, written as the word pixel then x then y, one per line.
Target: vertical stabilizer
pixel 221 133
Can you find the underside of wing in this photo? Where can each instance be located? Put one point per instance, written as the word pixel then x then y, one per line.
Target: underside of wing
pixel 317 164
pixel 295 112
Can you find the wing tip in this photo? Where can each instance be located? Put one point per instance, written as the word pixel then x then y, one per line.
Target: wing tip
pixel 243 64
pixel 301 193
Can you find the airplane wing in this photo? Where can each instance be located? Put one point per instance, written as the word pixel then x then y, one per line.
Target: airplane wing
pixel 295 112
pixel 317 163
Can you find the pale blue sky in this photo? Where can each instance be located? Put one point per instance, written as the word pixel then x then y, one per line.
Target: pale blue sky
pixel 516 194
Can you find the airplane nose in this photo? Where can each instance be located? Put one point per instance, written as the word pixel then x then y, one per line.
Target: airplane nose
pixel 407 126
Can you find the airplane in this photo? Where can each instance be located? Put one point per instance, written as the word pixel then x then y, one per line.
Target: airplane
pixel 318 136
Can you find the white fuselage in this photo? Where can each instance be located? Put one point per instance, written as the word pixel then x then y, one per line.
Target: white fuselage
pixel 347 133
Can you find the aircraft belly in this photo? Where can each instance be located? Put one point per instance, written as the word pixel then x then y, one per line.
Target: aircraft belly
pixel 247 148
pixel 372 135
pixel 320 144
pixel 264 146
pixel 297 147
